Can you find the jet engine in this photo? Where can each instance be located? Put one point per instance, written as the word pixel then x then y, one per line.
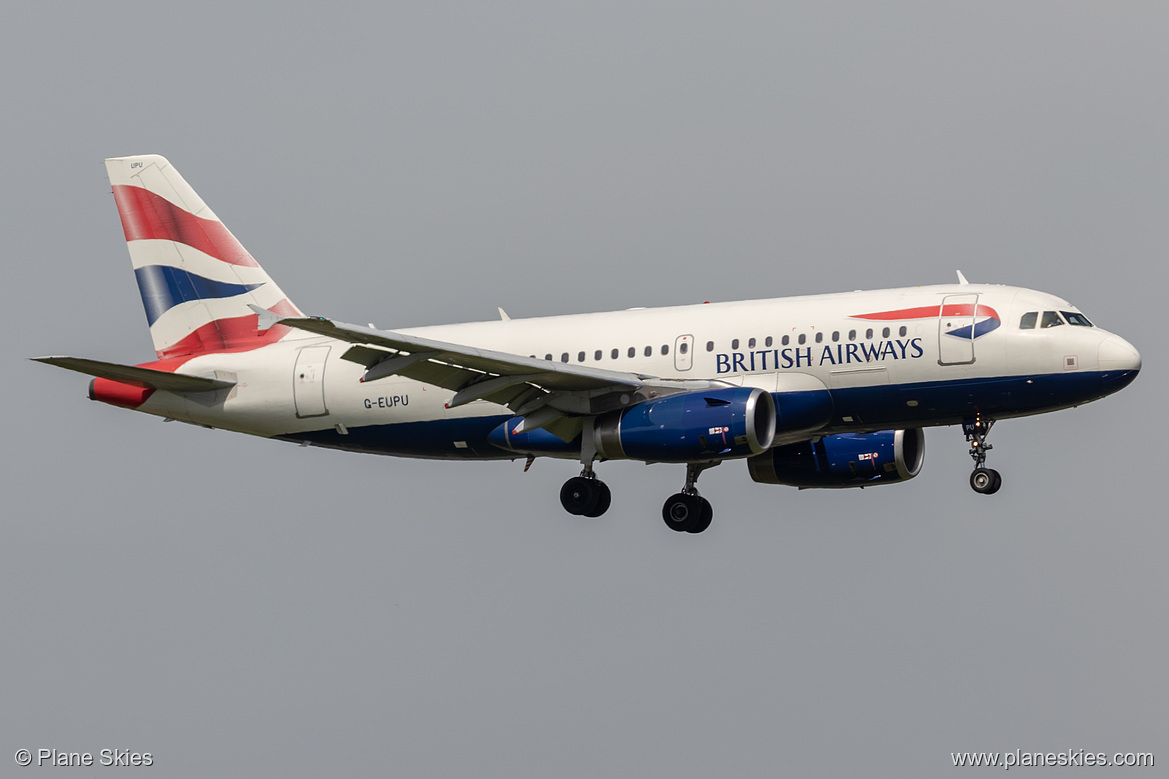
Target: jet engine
pixel 844 460
pixel 690 427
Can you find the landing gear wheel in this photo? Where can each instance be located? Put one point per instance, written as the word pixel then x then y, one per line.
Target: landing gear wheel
pixel 604 498
pixel 679 511
pixel 687 513
pixel 704 517
pixel 580 495
pixel 986 481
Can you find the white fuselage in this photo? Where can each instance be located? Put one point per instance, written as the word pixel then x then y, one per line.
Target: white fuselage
pixel 902 368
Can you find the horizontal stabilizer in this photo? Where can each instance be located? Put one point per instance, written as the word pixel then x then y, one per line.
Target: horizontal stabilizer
pixel 138 377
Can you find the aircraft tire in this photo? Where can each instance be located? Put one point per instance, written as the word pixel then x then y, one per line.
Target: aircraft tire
pixel 985 481
pixel 683 512
pixel 604 499
pixel 579 495
pixel 705 515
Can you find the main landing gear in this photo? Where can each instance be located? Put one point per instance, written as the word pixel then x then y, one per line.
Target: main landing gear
pixel 687 511
pixel 983 480
pixel 586 495
pixel 684 512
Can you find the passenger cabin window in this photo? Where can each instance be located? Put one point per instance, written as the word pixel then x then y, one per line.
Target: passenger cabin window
pixel 735 344
pixel 1027 322
pixel 750 343
pixel 632 351
pixel 683 347
pixel 710 346
pixel 786 340
pixel 802 339
pixel 548 357
pixel 564 357
pixel 665 349
pixel 835 335
pixel 598 354
pixel 767 342
pixel 903 331
pixel 885 333
pixel 649 350
pixel 615 353
pixel 1051 319
pixel 869 334
pixel 852 335
pixel 1076 319
pixel 819 338
pixel 580 356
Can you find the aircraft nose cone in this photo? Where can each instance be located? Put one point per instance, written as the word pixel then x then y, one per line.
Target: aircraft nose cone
pixel 1117 354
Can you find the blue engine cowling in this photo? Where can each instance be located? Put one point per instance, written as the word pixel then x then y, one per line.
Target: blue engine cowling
pixel 845 460
pixel 689 427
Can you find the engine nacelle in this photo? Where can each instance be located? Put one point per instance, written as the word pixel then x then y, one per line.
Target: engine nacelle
pixel 844 460
pixel 690 427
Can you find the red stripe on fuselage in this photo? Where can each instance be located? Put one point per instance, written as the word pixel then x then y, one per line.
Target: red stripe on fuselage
pixel 931 312
pixel 146 216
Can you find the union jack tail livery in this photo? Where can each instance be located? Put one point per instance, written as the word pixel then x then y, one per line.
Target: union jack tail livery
pixel 197 281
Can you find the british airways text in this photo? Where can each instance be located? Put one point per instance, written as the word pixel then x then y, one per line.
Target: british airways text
pixel 810 356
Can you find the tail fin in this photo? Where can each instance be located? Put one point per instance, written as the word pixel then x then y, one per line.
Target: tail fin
pixel 196 280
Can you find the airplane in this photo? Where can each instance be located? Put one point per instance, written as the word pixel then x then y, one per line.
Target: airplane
pixel 819 391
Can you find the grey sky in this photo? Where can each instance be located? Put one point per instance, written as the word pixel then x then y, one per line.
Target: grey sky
pixel 242 607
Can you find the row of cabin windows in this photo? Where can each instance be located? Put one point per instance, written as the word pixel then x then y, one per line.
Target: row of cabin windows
pixel 599 354
pixel 768 342
pixel 802 338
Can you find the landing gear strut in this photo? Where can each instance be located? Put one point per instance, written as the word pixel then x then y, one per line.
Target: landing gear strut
pixel 983 480
pixel 687 511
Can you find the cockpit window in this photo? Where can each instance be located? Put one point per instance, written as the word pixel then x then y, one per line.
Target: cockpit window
pixel 1076 319
pixel 1028 320
pixel 1051 319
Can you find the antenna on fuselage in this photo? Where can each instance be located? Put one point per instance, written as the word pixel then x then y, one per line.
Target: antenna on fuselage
pixel 962 279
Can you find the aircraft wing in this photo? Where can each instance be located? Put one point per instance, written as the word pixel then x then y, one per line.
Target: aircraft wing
pixel 542 391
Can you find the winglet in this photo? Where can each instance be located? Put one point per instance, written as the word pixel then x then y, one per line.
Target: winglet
pixel 962 279
pixel 503 314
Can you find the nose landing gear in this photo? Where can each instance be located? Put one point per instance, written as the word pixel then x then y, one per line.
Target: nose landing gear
pixel 687 511
pixel 983 480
